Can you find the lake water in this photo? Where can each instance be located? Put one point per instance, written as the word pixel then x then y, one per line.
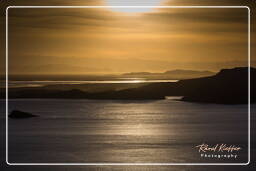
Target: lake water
pixel 165 131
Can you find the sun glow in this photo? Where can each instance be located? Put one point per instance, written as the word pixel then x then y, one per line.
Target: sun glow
pixel 131 3
pixel 136 81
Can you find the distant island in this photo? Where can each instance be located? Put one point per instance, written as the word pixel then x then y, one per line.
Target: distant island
pixel 177 74
pixel 16 114
pixel 172 74
pixel 229 86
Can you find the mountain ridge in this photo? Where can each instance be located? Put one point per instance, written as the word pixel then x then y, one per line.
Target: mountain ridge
pixel 229 86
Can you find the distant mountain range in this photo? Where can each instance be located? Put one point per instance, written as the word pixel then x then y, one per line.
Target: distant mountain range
pixel 172 74
pixel 229 86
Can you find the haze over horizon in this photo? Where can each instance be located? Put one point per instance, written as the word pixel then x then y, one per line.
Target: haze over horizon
pixel 107 41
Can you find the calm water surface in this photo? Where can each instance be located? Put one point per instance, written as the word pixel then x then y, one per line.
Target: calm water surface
pixel 123 131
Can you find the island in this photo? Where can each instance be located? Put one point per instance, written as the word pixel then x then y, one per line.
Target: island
pixel 16 114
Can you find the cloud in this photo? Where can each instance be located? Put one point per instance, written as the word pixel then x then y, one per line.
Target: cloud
pixel 222 15
pixel 118 42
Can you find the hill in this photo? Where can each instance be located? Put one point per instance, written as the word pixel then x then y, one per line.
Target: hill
pixel 229 86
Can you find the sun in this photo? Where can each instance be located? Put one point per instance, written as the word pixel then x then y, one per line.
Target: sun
pixel 131 3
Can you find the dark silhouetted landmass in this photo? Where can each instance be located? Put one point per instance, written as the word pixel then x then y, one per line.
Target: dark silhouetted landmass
pixel 95 88
pixel 16 114
pixel 229 86
pixel 132 94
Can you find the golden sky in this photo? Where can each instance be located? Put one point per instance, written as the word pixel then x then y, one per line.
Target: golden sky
pixel 104 41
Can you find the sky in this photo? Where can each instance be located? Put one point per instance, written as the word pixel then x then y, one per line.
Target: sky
pixel 107 40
